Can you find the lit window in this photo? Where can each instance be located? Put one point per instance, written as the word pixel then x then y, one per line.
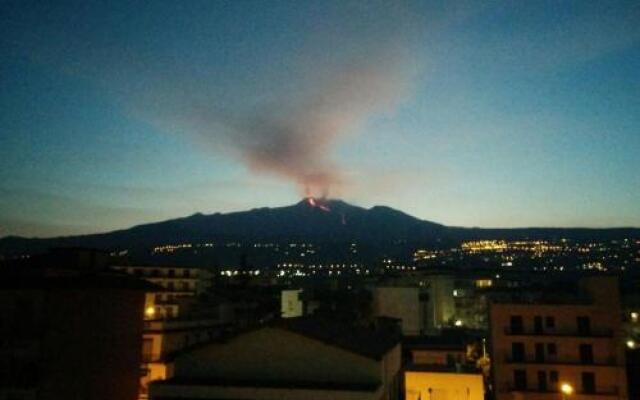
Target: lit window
pixel 484 283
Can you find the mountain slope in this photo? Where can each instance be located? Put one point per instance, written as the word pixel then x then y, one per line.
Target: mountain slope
pixel 310 220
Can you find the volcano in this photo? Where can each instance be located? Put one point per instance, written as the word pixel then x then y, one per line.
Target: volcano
pixel 311 219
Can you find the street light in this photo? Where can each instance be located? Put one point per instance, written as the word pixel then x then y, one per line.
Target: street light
pixel 150 311
pixel 631 344
pixel 566 390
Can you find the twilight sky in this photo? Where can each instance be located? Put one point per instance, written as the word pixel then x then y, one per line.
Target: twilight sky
pixel 494 114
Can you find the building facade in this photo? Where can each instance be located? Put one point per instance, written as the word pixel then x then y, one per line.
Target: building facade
pixel 71 336
pixel 431 384
pixel 162 338
pixel 176 287
pixel 541 342
pixel 402 303
pixel 441 368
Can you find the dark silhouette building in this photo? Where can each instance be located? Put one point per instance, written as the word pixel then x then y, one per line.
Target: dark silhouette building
pixel 69 333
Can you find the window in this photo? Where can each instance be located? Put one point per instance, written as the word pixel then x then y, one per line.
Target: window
pixel 586 354
pixel 185 286
pixel 172 273
pixel 537 325
pixel 517 352
pixel 550 322
pixel 540 352
pixel 520 379
pixel 187 273
pixel 516 324
pixel 170 286
pixel 553 376
pixel 588 382
pixel 542 381
pixel 552 349
pixel 584 326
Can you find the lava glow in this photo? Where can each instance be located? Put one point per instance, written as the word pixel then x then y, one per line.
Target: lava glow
pixel 313 203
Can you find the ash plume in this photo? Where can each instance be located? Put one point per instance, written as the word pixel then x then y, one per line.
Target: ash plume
pixel 291 127
pixel 295 140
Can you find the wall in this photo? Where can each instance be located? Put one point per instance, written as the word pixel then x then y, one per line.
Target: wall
pixel 291 306
pixel 399 302
pixel 444 386
pixel 88 341
pixel 391 363
pixel 437 357
pixel 441 302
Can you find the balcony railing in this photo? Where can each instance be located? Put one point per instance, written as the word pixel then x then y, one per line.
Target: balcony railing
pixel 606 362
pixel 594 333
pixel 552 390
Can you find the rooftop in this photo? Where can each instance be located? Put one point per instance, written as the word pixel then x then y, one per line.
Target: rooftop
pixel 360 340
pixel 256 383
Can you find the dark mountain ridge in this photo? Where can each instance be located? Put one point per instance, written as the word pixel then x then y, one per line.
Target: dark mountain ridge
pixel 314 220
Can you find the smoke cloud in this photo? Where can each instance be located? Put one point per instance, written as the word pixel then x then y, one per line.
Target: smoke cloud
pixel 342 77
pixel 294 137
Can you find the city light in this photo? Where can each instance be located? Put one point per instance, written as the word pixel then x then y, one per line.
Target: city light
pixel 634 317
pixel 566 389
pixel 150 311
pixel 631 344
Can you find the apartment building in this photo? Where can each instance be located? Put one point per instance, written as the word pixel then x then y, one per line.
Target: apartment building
pixel 70 335
pixel 162 338
pixel 177 285
pixel 545 341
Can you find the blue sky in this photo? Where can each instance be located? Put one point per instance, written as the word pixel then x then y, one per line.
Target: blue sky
pixel 485 113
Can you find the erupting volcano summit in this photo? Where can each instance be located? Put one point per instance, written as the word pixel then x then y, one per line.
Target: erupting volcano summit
pixel 321 204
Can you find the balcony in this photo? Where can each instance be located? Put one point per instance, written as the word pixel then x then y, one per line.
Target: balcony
pixel 607 362
pixel 593 333
pixel 606 391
